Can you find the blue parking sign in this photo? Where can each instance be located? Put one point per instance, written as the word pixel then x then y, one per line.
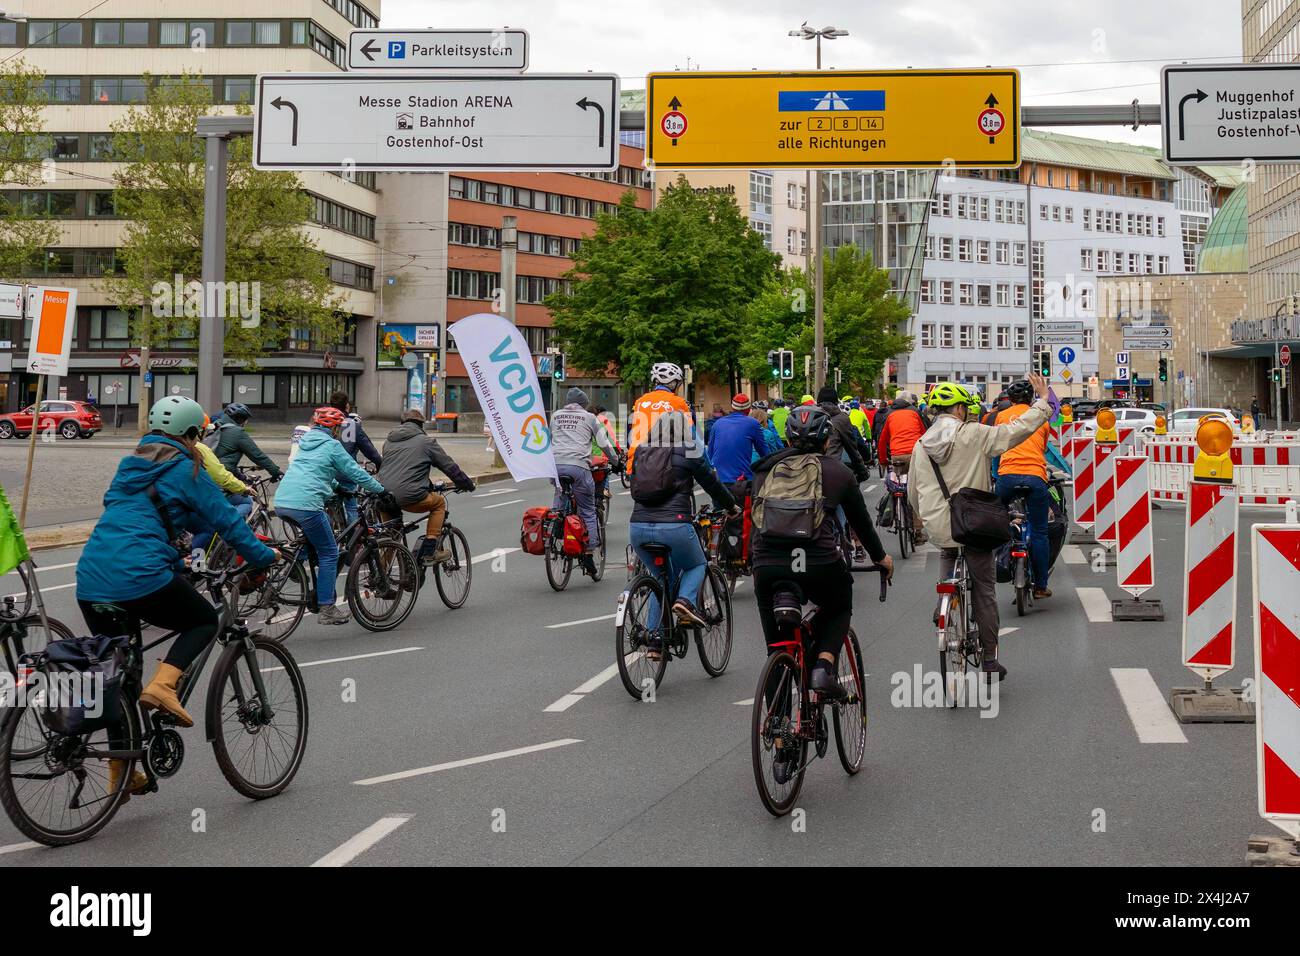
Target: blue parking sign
pixel 397 49
pixel 1066 355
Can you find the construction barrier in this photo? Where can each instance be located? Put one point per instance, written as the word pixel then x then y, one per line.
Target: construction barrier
pixel 1134 565
pixel 1069 431
pixel 1082 491
pixel 1103 462
pixel 1266 475
pixel 1210 561
pixel 1275 556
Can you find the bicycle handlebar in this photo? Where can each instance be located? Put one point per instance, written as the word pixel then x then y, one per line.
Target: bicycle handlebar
pixel 885 580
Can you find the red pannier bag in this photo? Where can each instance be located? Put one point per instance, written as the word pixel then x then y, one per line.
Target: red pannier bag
pixel 531 532
pixel 575 536
pixel 599 468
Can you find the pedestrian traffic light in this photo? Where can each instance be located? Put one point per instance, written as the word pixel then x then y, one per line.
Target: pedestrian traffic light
pixel 1045 364
pixel 774 363
pixel 1275 375
pixel 787 364
pixel 1164 370
pixel 557 371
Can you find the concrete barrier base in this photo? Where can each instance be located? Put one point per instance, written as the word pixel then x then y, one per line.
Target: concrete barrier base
pixel 1272 851
pixel 1196 705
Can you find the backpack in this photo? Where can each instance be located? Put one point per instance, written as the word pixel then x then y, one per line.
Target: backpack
pixel 791 508
pixel 213 438
pixel 98 664
pixel 531 532
pixel 653 482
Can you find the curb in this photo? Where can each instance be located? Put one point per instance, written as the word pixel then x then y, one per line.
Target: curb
pixel 67 535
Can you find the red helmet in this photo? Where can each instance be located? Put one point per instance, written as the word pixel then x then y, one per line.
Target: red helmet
pixel 329 416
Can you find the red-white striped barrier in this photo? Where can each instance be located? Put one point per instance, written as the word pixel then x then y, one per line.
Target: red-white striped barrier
pixel 1082 492
pixel 1210 561
pixel 1069 434
pixel 1103 463
pixel 1275 553
pixel 1134 565
pixel 1265 475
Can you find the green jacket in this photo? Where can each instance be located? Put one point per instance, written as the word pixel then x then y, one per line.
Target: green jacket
pixel 233 443
pixel 779 415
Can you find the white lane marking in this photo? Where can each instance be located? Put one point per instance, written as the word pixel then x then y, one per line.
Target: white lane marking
pixel 467 762
pixel 494 553
pixel 492 494
pixel 1073 554
pixel 1095 604
pixel 1152 719
pixel 42 568
pixel 596 681
pixel 871 488
pixel 363 841
pixel 1007 630
pixel 57 587
pixel 502 504
pixel 354 657
pixel 622 493
pixel 17 847
pixel 740 582
pixel 585 620
pixel 563 704
pixel 747 702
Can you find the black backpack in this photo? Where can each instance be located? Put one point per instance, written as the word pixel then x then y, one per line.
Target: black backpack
pixel 654 481
pixel 100 663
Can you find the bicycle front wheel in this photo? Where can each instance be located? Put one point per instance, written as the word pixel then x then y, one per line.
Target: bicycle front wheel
pixel 383 583
pixel 640 636
pixel 850 714
pixel 260 740
pixel 453 575
pixel 276 608
pixel 777 748
pixel 598 558
pixel 714 642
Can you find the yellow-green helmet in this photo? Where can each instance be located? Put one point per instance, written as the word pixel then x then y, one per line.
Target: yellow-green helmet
pixel 948 394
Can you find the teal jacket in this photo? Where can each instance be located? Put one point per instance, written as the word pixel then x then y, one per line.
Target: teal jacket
pixel 321 462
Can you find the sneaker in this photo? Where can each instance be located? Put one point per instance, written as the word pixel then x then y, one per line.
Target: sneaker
pixel 588 564
pixel 826 681
pixel 687 614
pixel 1040 593
pixel 334 614
pixel 919 538
pixel 991 666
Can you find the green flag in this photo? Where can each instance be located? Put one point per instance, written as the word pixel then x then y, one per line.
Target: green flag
pixel 13 546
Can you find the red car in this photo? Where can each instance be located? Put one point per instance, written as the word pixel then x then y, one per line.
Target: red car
pixel 69 419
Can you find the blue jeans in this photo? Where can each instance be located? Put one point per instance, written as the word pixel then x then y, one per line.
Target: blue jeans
pixel 687 556
pixel 316 526
pixel 1039 499
pixel 584 490
pixel 243 504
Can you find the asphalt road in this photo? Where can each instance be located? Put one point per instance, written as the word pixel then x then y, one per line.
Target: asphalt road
pixel 577 772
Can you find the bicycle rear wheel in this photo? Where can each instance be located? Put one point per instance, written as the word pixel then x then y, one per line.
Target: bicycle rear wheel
pixel 639 634
pixel 559 567
pixel 714 642
pixel 903 525
pixel 777 752
pixel 598 558
pixel 259 753
pixel 29 736
pixel 276 608
pixel 952 652
pixel 60 794
pixel 453 575
pixel 850 715
pixel 22 603
pixel 382 585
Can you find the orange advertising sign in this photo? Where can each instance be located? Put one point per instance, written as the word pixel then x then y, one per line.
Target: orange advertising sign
pixel 54 315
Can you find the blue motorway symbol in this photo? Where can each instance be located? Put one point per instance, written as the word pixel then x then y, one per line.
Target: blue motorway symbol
pixel 808 101
pixel 1066 355
pixel 397 49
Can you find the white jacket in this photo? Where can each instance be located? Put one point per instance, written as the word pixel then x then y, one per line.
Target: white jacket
pixel 964 452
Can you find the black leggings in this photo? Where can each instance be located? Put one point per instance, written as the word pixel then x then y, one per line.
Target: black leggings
pixel 829 586
pixel 175 607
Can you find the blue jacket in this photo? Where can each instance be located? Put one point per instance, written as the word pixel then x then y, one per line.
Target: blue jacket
pixel 733 440
pixel 773 440
pixel 129 555
pixel 320 463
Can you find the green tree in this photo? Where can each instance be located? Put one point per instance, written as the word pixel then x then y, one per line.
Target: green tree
pixel 666 284
pixel 160 193
pixel 775 319
pixel 24 147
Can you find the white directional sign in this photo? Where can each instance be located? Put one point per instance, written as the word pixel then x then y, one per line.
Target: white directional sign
pixel 1148 338
pixel 1047 326
pixel 11 301
pixel 1121 373
pixel 436 122
pixel 1058 338
pixel 1227 113
pixel 1121 358
pixel 500 50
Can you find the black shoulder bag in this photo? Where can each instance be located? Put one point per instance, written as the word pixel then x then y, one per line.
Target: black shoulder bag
pixel 980 520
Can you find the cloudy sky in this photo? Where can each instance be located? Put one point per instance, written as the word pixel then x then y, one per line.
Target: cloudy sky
pixel 1099 51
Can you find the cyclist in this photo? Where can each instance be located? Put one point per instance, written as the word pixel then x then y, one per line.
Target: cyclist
pixel 408 455
pixel 663 496
pixel 845 441
pixel 665 381
pixel 354 437
pixel 236 491
pixel 964 450
pixel 132 559
pixel 233 443
pixel 771 439
pixel 573 431
pixel 904 425
pixel 822 574
pixel 320 465
pixel 1023 471
pixel 734 440
pixel 780 412
pixel 858 417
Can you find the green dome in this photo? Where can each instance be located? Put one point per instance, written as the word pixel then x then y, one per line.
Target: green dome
pixel 1224 249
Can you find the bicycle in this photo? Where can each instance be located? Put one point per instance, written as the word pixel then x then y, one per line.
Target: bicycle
pixel 960 648
pixel 20 634
pixel 1021 545
pixel 643 646
pixel 713 528
pixel 904 520
pixel 788 717
pixel 59 795
pixel 452 577
pixel 559 566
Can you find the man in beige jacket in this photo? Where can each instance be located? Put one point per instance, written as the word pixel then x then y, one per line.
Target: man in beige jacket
pixel 964 450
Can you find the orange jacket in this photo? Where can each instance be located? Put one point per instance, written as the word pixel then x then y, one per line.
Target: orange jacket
pixel 647 408
pixel 903 429
pixel 1029 457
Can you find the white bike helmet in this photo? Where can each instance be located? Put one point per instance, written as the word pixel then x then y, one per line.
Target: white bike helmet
pixel 666 373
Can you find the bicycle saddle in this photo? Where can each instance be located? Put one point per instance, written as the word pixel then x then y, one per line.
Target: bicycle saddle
pixel 787 604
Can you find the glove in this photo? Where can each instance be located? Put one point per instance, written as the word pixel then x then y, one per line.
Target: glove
pixel 466 485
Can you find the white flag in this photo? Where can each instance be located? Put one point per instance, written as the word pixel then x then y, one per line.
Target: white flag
pixel 500 367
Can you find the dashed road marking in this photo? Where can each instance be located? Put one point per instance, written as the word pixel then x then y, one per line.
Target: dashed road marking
pixel 363 841
pixel 1151 716
pixel 17 848
pixel 353 657
pixel 467 762
pixel 1073 554
pixel 1095 604
pixel 747 702
pixel 502 504
pixel 494 492
pixel 584 620
pixel 494 553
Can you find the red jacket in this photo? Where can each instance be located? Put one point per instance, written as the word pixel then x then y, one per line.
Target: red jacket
pixel 903 429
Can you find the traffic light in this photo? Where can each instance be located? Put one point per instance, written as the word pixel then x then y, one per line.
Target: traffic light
pixel 1045 364
pixel 774 363
pixel 1164 370
pixel 557 370
pixel 1275 375
pixel 787 364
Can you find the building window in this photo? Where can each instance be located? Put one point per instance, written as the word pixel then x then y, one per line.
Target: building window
pixel 982 251
pixel 927 291
pixel 1163 265
pixel 100 205
pixel 965 293
pixel 1069 214
pixel 1087 220
pixel 1022 337
pixel 945 248
pixel 1019 302
pixel 109 329
pixel 945 336
pixel 927 335
pixel 113 89
pixel 1004 336
pixel 1002 253
pixel 760 195
pixel 1019 254
pixel 1085 260
pixel 237 90
pixel 1085 298
pixel 198 33
pixel 945 292
pixel 1042 212
pixel 62 89
pixel 8 33
pixel 54 33
pixel 963 250
pixel 1003 299
pixel 1088 339
pixel 985 337
pixel 764 229
pixel 966 337
pixel 929 247
pixel 266 33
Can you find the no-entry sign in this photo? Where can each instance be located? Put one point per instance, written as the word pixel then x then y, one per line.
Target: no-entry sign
pixel 1285 355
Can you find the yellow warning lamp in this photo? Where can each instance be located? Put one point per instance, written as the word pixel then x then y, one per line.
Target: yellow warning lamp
pixel 1214 461
pixel 1162 427
pixel 1247 425
pixel 1106 431
pixel 1067 413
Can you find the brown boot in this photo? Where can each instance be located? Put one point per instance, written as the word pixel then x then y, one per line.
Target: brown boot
pixel 115 770
pixel 161 694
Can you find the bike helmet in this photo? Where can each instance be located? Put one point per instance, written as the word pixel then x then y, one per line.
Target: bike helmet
pixel 948 394
pixel 328 416
pixel 808 427
pixel 1020 393
pixel 238 411
pixel 175 415
pixel 666 373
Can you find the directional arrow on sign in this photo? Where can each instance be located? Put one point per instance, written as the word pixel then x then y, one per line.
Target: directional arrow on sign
pixel 584 103
pixel 675 103
pixel 370 49
pixel 1199 95
pixel 991 103
pixel 280 103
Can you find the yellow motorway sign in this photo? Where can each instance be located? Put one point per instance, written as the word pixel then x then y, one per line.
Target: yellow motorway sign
pixel 834 119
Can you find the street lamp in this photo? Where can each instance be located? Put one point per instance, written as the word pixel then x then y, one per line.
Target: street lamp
pixel 813 219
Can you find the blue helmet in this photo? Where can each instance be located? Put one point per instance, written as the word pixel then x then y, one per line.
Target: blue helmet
pixel 237 411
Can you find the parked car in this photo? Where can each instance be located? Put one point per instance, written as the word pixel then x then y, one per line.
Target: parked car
pixel 1082 408
pixel 1185 419
pixel 1143 419
pixel 1156 407
pixel 69 419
